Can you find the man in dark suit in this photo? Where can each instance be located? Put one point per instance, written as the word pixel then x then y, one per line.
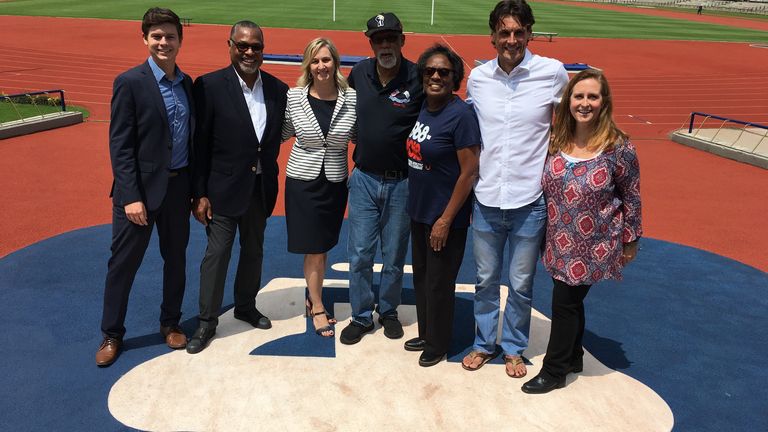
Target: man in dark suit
pixel 241 110
pixel 151 125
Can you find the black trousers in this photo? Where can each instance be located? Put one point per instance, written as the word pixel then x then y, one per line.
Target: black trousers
pixel 564 350
pixel 221 232
pixel 129 243
pixel 434 282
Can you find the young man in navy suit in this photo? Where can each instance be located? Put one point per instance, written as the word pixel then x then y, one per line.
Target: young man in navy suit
pixel 151 127
pixel 240 118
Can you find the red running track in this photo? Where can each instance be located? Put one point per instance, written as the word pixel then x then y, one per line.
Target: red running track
pixel 57 181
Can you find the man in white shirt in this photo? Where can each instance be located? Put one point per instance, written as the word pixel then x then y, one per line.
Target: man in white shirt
pixel 236 144
pixel 514 96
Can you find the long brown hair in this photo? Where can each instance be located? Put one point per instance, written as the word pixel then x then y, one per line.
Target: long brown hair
pixel 605 135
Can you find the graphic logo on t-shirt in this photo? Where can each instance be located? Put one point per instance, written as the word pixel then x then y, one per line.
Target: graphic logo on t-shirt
pixel 400 97
pixel 419 133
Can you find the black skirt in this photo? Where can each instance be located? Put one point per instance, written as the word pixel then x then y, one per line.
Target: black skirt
pixel 314 211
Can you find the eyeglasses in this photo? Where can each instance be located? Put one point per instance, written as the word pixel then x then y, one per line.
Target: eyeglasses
pixel 243 47
pixel 443 72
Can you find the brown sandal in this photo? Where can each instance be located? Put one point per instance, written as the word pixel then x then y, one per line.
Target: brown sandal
pixel 475 354
pixel 515 361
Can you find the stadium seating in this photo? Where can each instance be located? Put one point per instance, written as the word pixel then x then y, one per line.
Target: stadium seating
pixel 759 7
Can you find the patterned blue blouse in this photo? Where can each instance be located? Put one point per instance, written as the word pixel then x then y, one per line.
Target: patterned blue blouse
pixel 593 208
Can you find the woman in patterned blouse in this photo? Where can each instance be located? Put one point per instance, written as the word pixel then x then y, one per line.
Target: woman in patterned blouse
pixel 591 182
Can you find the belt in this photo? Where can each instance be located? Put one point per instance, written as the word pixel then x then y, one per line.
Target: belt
pixel 174 172
pixel 386 174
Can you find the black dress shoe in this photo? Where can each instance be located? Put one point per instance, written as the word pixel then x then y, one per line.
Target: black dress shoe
pixel 543 384
pixel 428 359
pixel 200 339
pixel 254 318
pixel 415 344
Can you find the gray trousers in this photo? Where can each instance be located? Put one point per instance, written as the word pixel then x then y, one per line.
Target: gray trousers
pixel 213 270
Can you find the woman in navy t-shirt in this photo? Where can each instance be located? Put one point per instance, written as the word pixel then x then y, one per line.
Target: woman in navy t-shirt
pixel 443 152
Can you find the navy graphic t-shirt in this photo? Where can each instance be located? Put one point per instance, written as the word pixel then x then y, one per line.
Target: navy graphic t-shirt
pixel 433 165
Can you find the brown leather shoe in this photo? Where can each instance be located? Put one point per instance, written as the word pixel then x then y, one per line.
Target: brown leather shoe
pixel 174 336
pixel 108 351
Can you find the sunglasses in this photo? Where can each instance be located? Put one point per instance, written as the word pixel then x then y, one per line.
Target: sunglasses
pixel 243 47
pixel 390 38
pixel 443 72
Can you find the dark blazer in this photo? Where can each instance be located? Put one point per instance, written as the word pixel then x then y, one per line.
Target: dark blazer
pixel 226 146
pixel 140 138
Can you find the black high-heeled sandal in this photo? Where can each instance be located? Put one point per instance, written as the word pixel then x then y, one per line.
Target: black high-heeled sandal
pixel 331 320
pixel 308 312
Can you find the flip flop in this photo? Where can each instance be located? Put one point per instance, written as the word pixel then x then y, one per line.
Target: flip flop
pixel 514 361
pixel 475 354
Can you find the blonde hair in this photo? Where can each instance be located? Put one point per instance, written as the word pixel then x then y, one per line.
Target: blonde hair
pixel 310 52
pixel 605 136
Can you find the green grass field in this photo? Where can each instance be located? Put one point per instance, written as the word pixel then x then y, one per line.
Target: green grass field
pixel 451 16
pixel 18 111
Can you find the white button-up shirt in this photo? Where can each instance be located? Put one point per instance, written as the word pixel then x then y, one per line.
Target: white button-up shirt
pixel 515 114
pixel 256 107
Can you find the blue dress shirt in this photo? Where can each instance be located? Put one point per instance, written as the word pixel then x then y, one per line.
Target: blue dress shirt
pixel 177 108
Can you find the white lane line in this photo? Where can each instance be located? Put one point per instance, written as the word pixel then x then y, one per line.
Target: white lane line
pixel 469 68
pixel 638 119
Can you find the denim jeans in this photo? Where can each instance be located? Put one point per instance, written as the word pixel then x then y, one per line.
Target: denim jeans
pixel 377 212
pixel 492 229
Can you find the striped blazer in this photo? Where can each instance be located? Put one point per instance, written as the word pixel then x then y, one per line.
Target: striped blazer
pixel 311 149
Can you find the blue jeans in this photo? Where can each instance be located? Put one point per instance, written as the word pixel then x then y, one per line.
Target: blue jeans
pixel 377 211
pixel 492 228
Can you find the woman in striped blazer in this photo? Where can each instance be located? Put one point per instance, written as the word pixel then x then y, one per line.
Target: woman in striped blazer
pixel 321 115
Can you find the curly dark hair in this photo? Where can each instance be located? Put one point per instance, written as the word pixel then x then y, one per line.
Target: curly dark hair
pixel 515 8
pixel 457 64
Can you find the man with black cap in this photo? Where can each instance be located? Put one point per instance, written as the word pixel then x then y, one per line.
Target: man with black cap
pixel 389 96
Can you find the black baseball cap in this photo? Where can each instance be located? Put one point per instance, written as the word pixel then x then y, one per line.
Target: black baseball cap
pixel 385 21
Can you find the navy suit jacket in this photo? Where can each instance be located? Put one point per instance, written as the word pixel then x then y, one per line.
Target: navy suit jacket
pixel 226 146
pixel 140 138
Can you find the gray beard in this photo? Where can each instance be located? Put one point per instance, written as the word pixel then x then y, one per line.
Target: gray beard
pixel 248 69
pixel 387 63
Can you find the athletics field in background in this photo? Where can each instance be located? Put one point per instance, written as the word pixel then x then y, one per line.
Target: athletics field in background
pixel 450 17
pixel 682 323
